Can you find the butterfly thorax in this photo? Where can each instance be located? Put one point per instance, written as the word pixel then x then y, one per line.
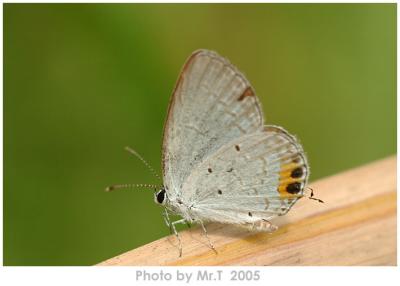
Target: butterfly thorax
pixel 181 208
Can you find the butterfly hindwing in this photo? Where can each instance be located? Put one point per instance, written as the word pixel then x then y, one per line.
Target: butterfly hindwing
pixel 253 178
pixel 212 104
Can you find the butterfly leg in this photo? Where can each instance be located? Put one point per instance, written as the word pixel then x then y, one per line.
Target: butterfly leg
pixel 167 220
pixel 177 234
pixel 209 241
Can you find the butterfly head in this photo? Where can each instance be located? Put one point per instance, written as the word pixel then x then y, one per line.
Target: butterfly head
pixel 160 197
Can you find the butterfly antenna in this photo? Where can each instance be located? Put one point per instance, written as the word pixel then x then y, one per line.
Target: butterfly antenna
pixel 136 154
pixel 311 197
pixel 130 186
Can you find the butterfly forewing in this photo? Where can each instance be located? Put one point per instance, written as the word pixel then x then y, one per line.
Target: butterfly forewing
pixel 212 105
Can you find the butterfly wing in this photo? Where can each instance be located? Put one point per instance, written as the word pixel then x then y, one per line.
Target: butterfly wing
pixel 212 104
pixel 252 179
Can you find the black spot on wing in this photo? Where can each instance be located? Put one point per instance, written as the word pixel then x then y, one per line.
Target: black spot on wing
pixel 297 173
pixel 293 188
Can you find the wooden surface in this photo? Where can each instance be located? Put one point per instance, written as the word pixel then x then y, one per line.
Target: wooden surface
pixel 355 226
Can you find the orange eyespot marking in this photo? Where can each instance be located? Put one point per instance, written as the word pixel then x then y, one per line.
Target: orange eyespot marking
pixel 288 181
pixel 292 170
pixel 290 189
pixel 291 178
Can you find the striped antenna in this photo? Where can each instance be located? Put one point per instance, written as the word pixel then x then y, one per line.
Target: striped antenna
pixel 134 153
pixel 130 186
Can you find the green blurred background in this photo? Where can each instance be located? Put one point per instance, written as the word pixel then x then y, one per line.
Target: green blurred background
pixel 81 81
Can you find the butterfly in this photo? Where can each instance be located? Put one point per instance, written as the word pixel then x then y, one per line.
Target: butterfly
pixel 220 162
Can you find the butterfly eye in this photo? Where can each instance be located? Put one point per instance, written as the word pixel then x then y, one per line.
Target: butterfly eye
pixel 160 197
